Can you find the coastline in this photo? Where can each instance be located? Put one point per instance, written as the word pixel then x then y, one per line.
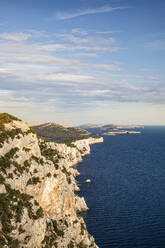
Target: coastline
pixel 121 170
pixel 42 174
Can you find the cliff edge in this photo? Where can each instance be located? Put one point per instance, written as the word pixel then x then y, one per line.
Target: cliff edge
pixel 38 204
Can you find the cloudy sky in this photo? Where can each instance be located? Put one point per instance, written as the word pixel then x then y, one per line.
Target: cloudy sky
pixel 83 61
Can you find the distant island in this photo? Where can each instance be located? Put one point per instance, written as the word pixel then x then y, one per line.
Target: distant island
pixel 109 126
pixel 112 129
pixel 122 132
pixel 65 133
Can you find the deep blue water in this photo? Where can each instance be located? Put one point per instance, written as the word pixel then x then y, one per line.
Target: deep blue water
pixel 126 195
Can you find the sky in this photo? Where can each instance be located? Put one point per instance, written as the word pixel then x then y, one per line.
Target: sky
pixel 83 61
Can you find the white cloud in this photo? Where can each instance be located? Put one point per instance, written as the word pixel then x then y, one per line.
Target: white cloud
pixel 69 77
pixel 43 54
pixel 135 76
pixel 85 54
pixel 73 38
pixel 54 47
pixel 109 32
pixel 90 40
pixel 32 53
pixel 79 31
pixel 98 48
pixel 32 72
pixel 15 36
pixel 38 34
pixel 103 9
pixel 108 67
pixel 88 43
pixel 91 93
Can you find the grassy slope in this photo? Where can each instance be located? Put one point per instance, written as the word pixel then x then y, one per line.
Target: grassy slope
pixel 58 132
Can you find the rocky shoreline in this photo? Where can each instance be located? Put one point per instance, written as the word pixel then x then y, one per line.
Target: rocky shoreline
pixel 38 203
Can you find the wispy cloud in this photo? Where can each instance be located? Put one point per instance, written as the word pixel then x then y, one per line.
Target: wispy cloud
pixel 79 31
pixel 92 40
pixel 85 54
pixel 38 34
pixel 73 38
pixel 23 36
pixel 103 9
pixel 109 32
pixel 156 44
pixel 92 43
pixel 108 67
pixel 135 76
pixel 15 36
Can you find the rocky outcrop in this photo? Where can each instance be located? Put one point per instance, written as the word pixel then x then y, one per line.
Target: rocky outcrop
pixel 38 204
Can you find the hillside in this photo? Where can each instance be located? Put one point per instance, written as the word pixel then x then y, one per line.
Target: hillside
pixel 38 204
pixel 58 132
pixel 98 129
pixel 111 128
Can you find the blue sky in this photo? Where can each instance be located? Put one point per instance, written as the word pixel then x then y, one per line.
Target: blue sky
pixel 79 61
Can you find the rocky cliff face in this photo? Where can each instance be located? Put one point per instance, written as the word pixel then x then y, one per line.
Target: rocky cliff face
pixel 38 204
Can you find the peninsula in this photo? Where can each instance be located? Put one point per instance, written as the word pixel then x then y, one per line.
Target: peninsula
pixel 112 129
pixel 122 132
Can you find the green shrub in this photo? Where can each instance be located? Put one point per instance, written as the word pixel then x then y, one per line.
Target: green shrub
pixel 33 181
pixel 10 175
pixel 2 179
pixel 2 240
pixel 49 174
pixel 83 228
pixel 39 213
pixel 21 230
pixel 11 153
pixel 71 244
pixel 35 171
pixel 31 130
pixel 7 118
pixel 69 180
pixel 26 164
pixel 67 173
pixel 58 231
pixel 51 154
pixel 82 245
pixel 26 149
pixel 6 134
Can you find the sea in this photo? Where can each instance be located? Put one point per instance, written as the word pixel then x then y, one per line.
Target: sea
pixel 126 196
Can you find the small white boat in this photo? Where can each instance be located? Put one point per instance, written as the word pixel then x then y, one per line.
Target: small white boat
pixel 88 180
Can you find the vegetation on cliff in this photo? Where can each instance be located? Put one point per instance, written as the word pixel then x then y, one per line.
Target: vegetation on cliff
pixel 5 133
pixel 6 118
pixel 38 205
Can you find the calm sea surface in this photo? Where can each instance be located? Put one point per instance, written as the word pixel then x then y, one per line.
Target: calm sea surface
pixel 126 195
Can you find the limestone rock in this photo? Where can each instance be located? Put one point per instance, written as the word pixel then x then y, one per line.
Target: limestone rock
pixel 37 190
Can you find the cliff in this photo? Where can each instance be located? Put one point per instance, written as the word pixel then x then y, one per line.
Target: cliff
pixel 38 204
